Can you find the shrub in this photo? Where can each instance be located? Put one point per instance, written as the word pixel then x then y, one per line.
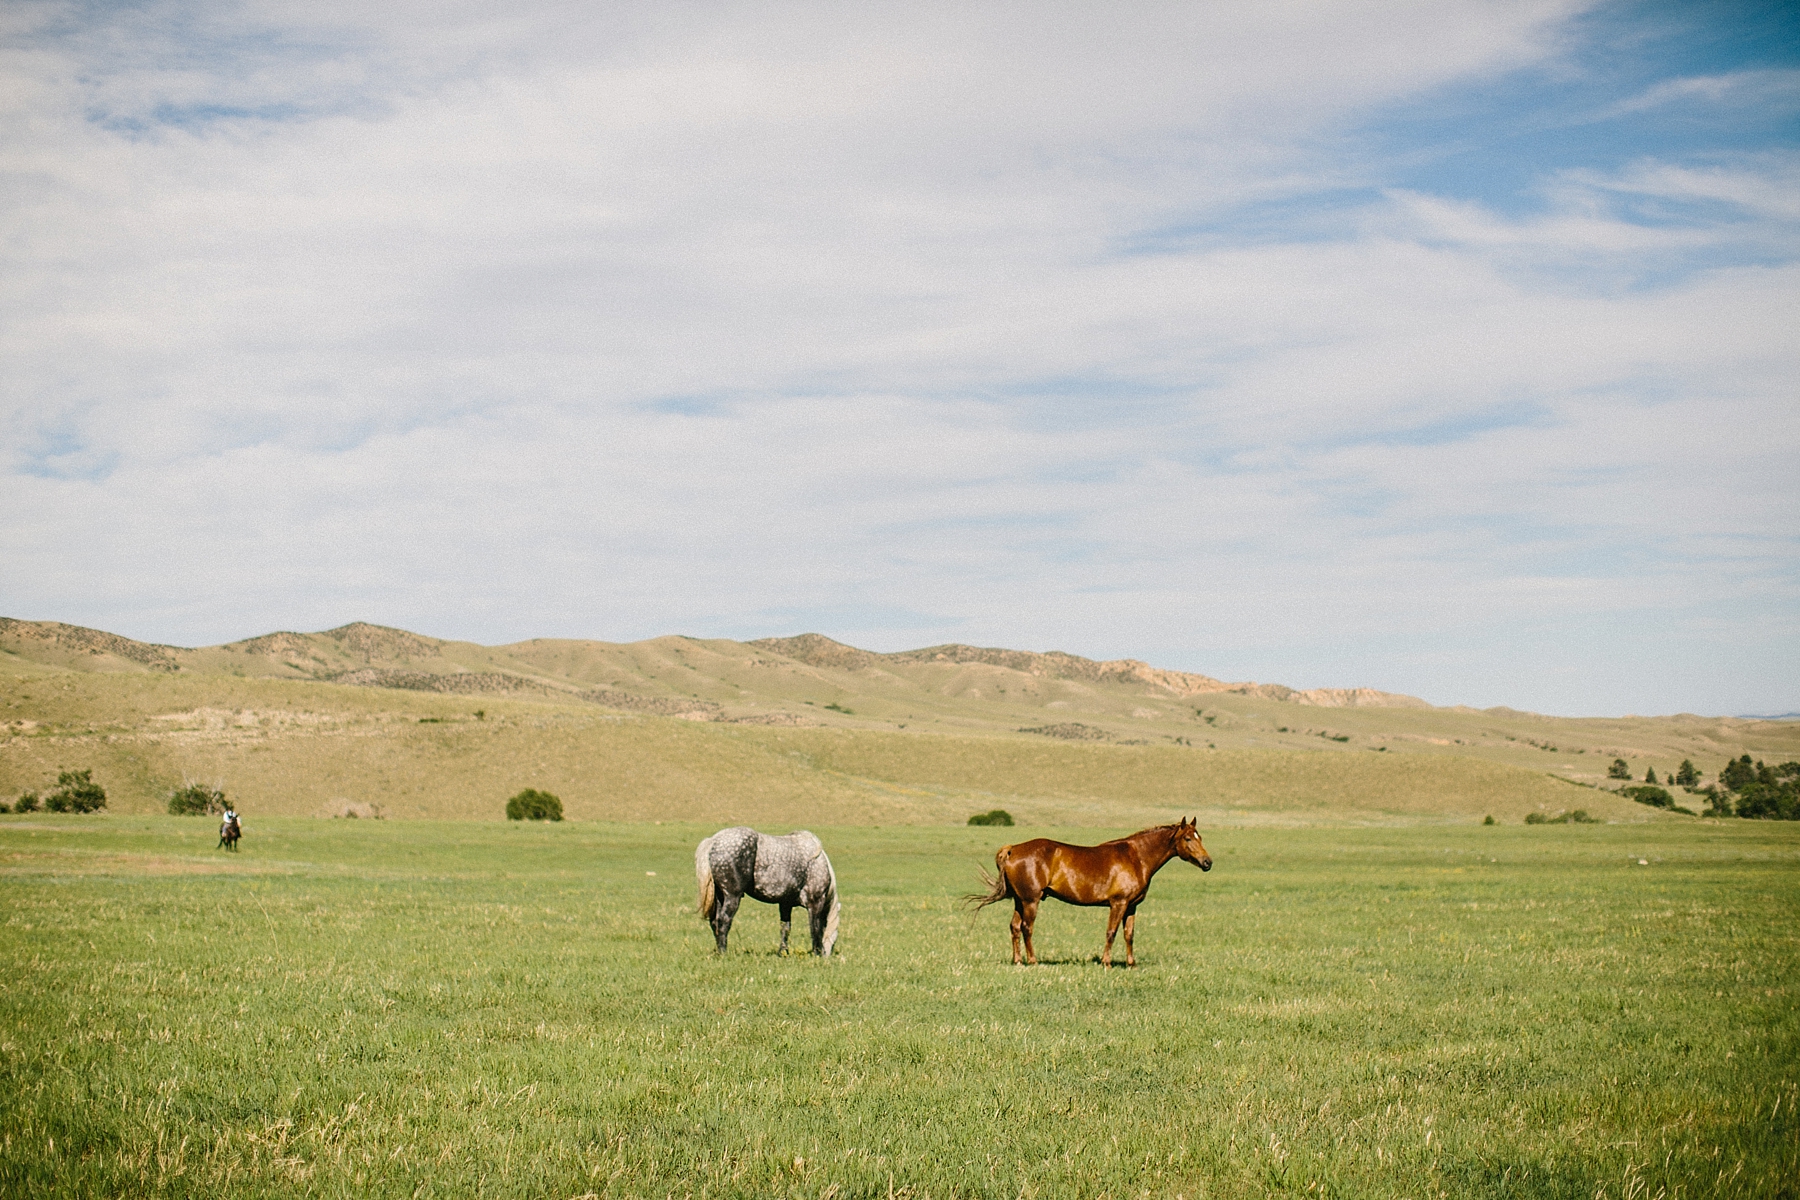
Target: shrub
pixel 1620 769
pixel 998 816
pixel 1578 817
pixel 1718 803
pixel 196 800
pixel 1655 797
pixel 533 805
pixel 26 803
pixel 1488 820
pixel 76 792
pixel 1650 775
pixel 1687 777
pixel 5 807
pixel 1769 802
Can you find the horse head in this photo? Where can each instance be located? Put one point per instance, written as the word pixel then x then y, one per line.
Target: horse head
pixel 1189 846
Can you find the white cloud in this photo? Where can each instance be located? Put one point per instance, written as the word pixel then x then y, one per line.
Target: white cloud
pixel 562 324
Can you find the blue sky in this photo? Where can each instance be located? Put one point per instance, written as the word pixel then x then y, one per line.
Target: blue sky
pixel 1440 348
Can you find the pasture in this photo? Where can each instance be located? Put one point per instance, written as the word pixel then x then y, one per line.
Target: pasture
pixel 458 1009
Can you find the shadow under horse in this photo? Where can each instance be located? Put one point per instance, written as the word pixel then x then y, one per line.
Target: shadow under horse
pixel 1116 874
pixel 791 872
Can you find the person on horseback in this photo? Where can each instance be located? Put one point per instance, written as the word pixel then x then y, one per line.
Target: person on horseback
pixel 229 828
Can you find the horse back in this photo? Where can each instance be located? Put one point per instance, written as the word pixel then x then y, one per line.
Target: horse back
pixel 1074 874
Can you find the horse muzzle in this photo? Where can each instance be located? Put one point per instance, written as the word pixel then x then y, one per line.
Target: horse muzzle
pixel 1205 864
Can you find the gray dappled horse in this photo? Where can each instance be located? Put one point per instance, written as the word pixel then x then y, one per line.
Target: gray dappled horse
pixel 790 871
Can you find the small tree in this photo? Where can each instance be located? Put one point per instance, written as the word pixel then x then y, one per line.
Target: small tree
pixel 1620 769
pixel 1687 777
pixel 1650 776
pixel 998 816
pixel 1737 774
pixel 27 802
pixel 196 800
pixel 76 792
pixel 533 805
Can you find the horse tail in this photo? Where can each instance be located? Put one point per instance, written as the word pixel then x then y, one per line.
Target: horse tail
pixel 703 870
pixel 831 918
pixel 998 888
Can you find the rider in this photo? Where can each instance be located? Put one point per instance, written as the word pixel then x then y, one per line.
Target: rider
pixel 231 818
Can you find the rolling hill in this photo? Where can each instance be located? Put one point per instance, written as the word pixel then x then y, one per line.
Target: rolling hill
pixel 799 728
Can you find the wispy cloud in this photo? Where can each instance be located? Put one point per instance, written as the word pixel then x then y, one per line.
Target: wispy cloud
pixel 1768 92
pixel 1022 325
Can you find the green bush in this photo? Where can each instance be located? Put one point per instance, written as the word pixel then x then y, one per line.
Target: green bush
pixel 998 816
pixel 1488 820
pixel 1620 769
pixel 1687 777
pixel 533 805
pixel 76 792
pixel 196 800
pixel 26 803
pixel 1655 797
pixel 1578 817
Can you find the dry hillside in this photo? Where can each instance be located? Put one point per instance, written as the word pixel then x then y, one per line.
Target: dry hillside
pixel 800 728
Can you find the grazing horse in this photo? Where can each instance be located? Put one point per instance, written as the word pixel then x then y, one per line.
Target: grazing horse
pixel 1116 874
pixel 229 833
pixel 790 871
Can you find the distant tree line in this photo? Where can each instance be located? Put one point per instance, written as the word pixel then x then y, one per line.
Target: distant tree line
pixel 1752 790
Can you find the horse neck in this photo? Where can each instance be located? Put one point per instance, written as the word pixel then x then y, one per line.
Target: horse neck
pixel 1155 847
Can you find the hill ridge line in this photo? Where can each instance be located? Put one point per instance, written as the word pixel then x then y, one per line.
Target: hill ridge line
pixel 392 657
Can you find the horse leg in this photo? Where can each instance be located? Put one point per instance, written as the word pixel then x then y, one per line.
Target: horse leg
pixel 723 912
pixel 1130 928
pixel 787 920
pixel 1018 924
pixel 819 918
pixel 1028 917
pixel 1114 915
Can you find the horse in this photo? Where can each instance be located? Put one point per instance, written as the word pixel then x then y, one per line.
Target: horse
pixel 790 871
pixel 1116 874
pixel 229 833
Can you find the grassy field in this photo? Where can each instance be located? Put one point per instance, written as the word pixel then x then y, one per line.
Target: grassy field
pixel 459 1009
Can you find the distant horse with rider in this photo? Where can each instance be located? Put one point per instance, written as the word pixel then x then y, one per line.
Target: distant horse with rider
pixel 1116 874
pixel 230 830
pixel 791 872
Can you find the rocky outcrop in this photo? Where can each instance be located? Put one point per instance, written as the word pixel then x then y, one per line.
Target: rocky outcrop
pixel 662 706
pixel 380 642
pixel 1356 698
pixel 78 639
pixel 458 683
pixel 1072 731
pixel 817 650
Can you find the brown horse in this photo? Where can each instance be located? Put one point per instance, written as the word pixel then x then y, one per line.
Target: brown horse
pixel 1116 874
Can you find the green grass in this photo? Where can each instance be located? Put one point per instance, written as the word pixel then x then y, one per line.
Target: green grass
pixel 459 1009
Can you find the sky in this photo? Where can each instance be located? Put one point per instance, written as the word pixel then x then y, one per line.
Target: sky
pixel 1444 348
